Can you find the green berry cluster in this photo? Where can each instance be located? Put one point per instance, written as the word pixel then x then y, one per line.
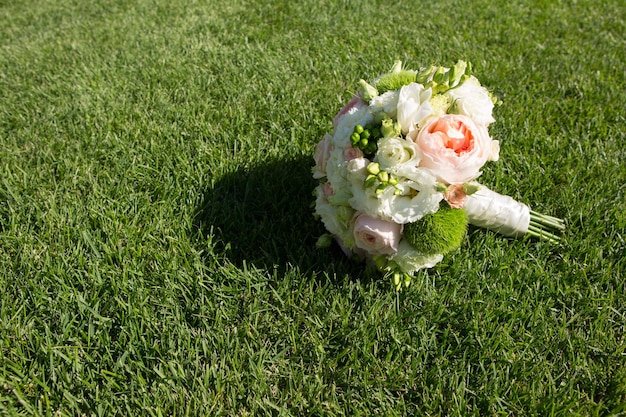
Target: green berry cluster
pixel 382 179
pixel 366 138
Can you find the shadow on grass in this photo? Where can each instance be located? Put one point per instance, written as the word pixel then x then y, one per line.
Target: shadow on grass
pixel 262 215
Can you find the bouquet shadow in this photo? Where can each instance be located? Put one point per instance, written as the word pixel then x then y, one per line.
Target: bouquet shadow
pixel 262 216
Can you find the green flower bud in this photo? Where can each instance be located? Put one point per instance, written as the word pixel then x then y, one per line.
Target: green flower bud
pixel 424 75
pixel 373 168
pixel 396 278
pixel 370 180
pixel 363 143
pixel 407 280
pixel 366 134
pixel 440 76
pixel 383 176
pixel 397 66
pixel 439 187
pixel 355 138
pixel 390 129
pixel 470 188
pixel 324 241
pixel 368 92
pixel 381 188
pixel 456 73
pixel 358 129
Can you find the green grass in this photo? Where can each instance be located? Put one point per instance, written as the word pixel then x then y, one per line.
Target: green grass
pixel 157 245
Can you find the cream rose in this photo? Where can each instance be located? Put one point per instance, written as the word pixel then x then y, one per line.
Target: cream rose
pixel 454 148
pixel 376 236
pixel 394 152
pixel 471 99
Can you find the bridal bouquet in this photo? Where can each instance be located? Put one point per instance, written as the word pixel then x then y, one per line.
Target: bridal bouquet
pixel 397 176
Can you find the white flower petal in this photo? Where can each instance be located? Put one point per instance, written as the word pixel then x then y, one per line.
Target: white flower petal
pixel 413 106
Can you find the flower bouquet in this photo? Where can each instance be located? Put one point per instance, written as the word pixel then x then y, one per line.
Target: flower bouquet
pixel 397 176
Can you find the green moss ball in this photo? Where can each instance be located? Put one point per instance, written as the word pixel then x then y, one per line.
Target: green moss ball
pixel 395 81
pixel 439 232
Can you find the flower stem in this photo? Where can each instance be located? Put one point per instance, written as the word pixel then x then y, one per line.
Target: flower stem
pixel 545 227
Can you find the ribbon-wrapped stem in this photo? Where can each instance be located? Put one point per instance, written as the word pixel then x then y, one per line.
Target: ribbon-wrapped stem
pixel 502 214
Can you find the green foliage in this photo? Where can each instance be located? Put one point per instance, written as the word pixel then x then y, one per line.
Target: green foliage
pixel 395 80
pixel 157 248
pixel 439 232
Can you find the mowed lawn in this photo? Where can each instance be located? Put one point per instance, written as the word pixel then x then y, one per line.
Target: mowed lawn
pixel 157 242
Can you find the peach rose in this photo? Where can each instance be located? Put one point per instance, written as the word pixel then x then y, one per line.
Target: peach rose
pixel 454 148
pixel 455 196
pixel 376 236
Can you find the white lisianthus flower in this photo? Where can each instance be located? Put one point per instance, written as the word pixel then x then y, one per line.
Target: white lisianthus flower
pixel 359 114
pixel 413 106
pixel 363 199
pixel 473 100
pixel 416 198
pixel 336 169
pixel 394 152
pixel 340 197
pixel 410 261
pixel 336 219
pixel 386 102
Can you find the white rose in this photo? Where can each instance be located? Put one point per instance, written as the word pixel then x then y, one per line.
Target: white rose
pixel 393 152
pixel 413 106
pixel 471 99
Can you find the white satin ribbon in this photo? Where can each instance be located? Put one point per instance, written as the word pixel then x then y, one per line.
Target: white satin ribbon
pixel 497 212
